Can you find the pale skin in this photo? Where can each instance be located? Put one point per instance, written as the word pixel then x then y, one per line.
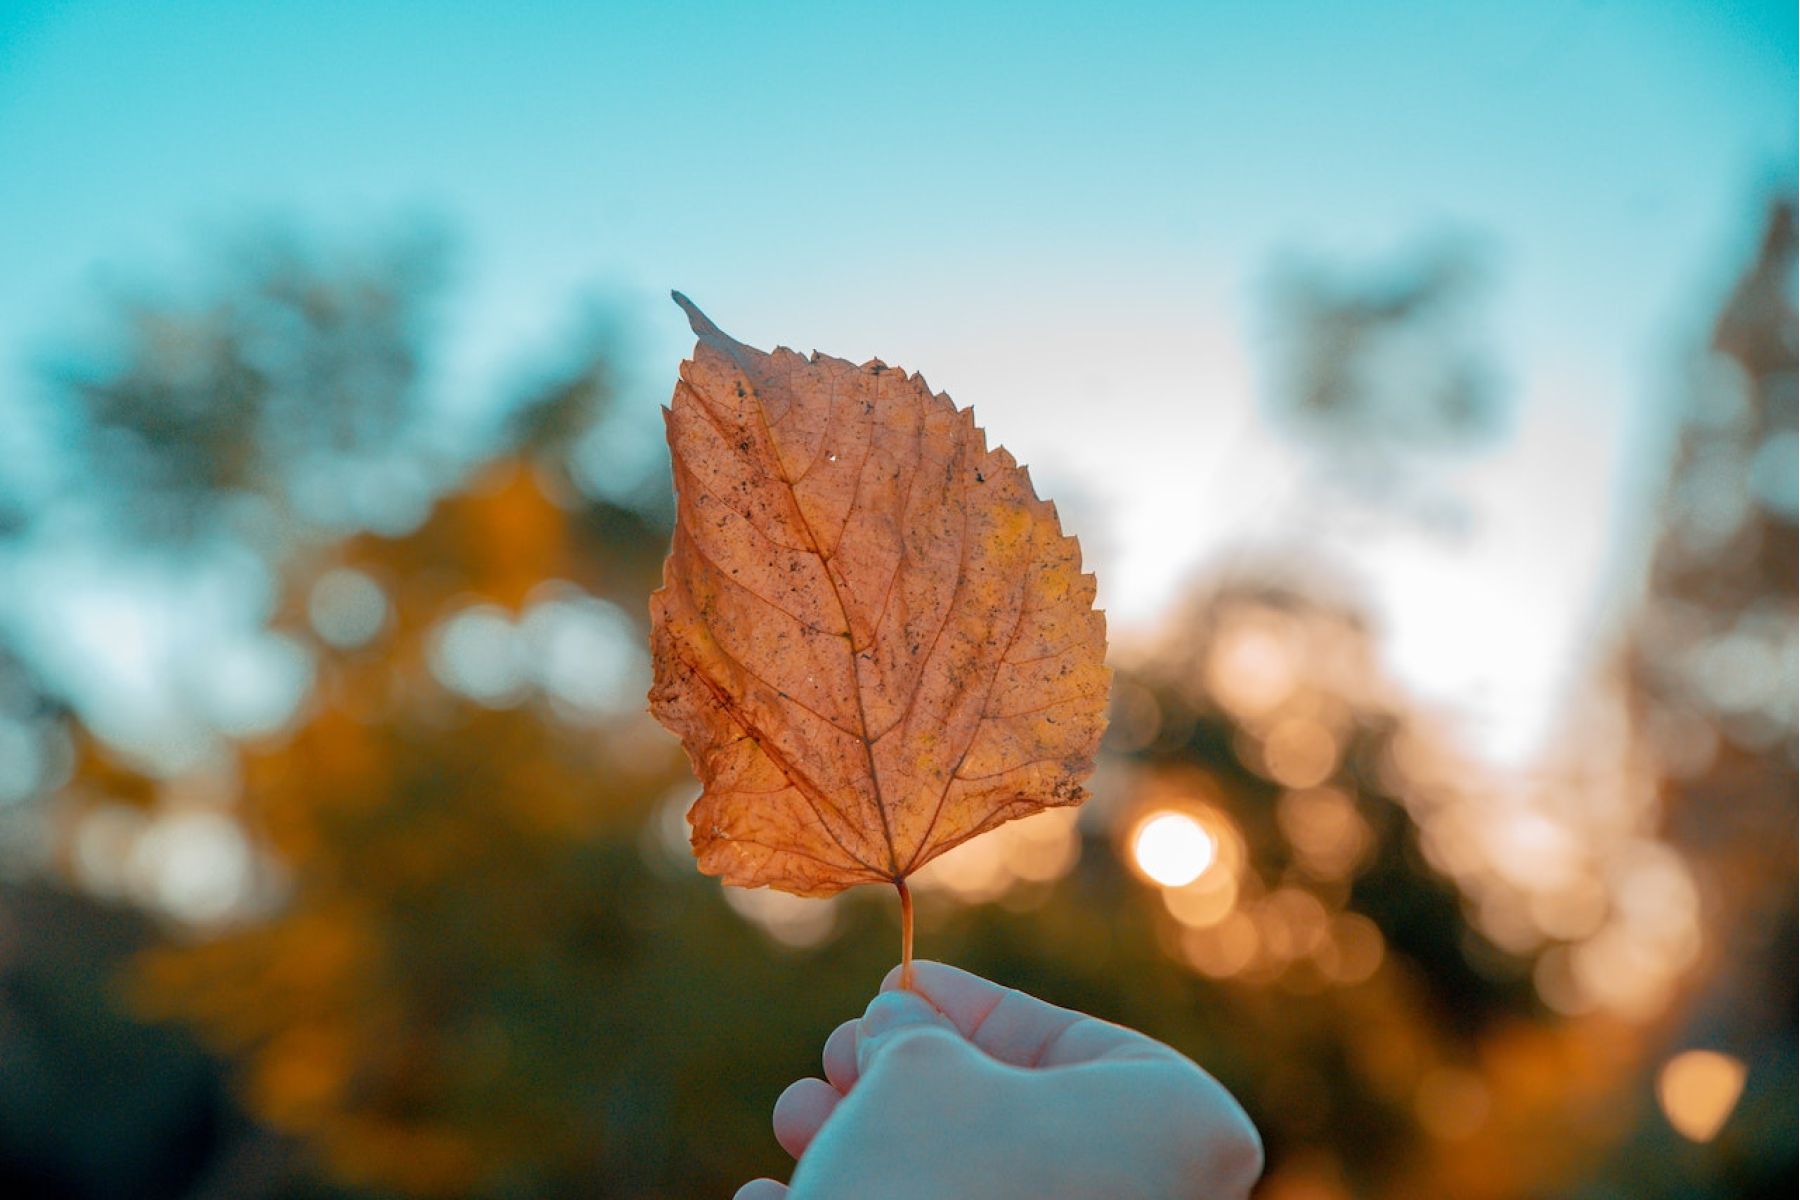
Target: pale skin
pixel 964 1088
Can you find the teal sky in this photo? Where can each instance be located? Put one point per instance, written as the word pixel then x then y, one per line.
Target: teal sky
pixel 1061 213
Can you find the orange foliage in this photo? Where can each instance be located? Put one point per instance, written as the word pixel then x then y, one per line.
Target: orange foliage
pixel 446 897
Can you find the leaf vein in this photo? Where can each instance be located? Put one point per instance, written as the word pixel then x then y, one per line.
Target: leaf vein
pixel 807 789
pixel 1018 766
pixel 975 732
pixel 718 568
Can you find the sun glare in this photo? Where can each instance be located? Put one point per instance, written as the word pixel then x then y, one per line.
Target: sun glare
pixel 1173 849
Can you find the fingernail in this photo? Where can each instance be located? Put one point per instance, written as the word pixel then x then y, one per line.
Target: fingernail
pixel 886 1021
pixel 891 1010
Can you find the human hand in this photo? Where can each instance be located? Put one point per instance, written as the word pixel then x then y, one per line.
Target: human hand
pixel 963 1088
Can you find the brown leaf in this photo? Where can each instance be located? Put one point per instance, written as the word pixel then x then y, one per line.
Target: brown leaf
pixel 872 637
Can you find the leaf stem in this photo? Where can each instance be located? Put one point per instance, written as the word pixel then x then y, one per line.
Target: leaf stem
pixel 906 934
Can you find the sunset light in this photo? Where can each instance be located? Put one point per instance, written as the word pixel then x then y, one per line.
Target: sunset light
pixel 1173 849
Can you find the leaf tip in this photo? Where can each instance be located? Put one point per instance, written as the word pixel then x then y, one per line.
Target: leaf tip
pixel 698 321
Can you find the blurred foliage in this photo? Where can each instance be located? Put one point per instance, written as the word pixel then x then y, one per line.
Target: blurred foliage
pixel 440 931
pixel 1388 356
pixel 1711 676
pixel 288 390
pixel 1381 372
pixel 1396 1049
pixel 36 755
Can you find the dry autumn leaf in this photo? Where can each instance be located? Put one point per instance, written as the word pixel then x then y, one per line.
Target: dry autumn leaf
pixel 872 637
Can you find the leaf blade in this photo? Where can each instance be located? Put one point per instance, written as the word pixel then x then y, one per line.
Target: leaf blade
pixel 873 638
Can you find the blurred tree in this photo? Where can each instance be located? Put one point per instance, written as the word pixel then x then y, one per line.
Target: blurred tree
pixel 455 959
pixel 37 727
pixel 1398 1049
pixel 288 393
pixel 1386 359
pixel 36 757
pixel 1711 676
pixel 442 923
pixel 1380 372
pixel 429 938
pixel 429 1004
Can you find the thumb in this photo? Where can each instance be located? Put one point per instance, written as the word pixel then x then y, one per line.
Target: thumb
pixel 895 1017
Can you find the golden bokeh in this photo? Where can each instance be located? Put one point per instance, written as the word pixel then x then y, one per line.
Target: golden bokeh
pixel 1698 1090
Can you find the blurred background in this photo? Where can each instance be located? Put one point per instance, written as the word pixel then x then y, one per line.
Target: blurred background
pixel 1420 380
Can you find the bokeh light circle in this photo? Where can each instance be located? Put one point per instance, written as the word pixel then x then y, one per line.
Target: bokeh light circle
pixel 1173 849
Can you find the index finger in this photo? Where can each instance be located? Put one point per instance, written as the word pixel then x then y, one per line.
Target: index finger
pixel 1018 1028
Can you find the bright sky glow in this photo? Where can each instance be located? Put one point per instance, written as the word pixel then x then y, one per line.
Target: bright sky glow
pixel 1063 214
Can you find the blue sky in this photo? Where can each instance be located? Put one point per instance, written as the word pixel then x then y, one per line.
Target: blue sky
pixel 1064 214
